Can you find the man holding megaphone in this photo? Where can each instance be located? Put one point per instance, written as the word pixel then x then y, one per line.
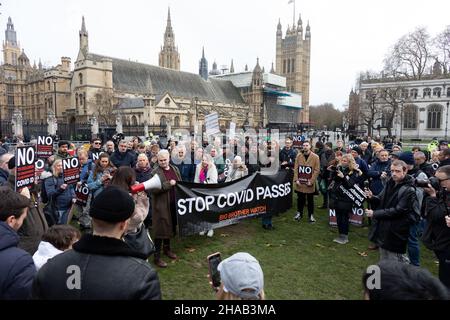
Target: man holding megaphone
pixel 165 177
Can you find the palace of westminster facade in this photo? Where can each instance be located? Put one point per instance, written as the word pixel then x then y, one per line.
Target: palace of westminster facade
pixel 155 95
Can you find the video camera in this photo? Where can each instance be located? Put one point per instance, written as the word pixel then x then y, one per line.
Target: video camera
pixel 423 183
pixel 117 137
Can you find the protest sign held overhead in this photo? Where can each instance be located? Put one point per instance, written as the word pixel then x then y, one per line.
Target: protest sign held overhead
pixel 71 170
pixel 212 123
pixel 25 159
pixel 204 207
pixel 44 147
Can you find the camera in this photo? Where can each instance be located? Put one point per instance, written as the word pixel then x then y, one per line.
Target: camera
pixel 423 183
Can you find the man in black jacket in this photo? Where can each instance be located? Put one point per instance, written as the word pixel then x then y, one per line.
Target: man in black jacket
pixel 100 266
pixel 437 233
pixel 392 216
pixel 123 156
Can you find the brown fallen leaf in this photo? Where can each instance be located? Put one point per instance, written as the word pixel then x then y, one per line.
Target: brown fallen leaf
pixel 190 250
pixel 363 254
pixel 224 235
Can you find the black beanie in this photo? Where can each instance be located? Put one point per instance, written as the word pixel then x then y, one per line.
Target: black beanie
pixel 63 142
pixel 12 163
pixel 113 205
pixel 357 149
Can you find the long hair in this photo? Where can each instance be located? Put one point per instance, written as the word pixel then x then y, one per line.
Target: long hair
pixel 124 178
pixel 54 167
pixel 98 168
pixel 352 166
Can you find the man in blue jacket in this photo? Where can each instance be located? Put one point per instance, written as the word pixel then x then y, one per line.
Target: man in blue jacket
pixel 123 156
pixel 17 269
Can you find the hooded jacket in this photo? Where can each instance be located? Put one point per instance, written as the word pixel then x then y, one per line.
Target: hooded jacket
pixel 16 266
pixel 45 252
pixel 126 159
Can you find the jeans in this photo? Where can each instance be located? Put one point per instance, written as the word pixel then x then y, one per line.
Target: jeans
pixel 415 232
pixel 267 220
pixel 444 267
pixel 342 218
pixel 62 216
pixel 301 201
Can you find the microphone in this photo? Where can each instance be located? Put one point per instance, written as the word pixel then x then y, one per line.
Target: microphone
pixel 152 184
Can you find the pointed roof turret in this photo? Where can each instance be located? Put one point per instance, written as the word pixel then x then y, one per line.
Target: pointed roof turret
pixel 246 68
pixel 272 70
pixel 232 67
pixel 257 67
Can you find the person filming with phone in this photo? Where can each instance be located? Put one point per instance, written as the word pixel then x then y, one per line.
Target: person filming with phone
pixel 247 284
pixel 436 236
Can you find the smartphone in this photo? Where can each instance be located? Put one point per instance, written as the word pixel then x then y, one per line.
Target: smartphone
pixel 213 262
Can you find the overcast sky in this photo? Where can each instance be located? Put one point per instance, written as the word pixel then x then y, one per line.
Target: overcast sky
pixel 347 36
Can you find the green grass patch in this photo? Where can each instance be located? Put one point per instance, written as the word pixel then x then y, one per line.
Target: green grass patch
pixel 299 260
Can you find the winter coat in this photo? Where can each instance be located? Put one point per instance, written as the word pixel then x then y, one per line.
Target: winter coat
pixel 289 156
pixel 45 251
pixel 126 159
pixel 211 175
pixel 391 218
pixel 187 170
pixel 33 227
pixel 63 197
pixel 236 174
pixel 338 199
pixel 161 206
pixel 143 174
pixel 62 156
pixel 86 171
pixel 141 206
pixel 313 162
pixel 3 177
pixel 110 270
pixel 17 269
pixel 375 171
pixel 436 235
pixel 95 185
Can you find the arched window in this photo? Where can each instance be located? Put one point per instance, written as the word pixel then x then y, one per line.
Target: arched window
pixel 289 66
pixel 81 99
pixel 414 93
pixel 134 121
pixel 448 92
pixel 76 100
pixel 293 65
pixel 437 92
pixel 434 116
pixel 163 121
pixel 410 117
pixel 48 85
pixel 284 66
pixel 80 77
pixel 176 121
pixel 426 92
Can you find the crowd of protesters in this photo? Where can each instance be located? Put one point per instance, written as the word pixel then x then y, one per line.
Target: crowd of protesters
pixel 406 192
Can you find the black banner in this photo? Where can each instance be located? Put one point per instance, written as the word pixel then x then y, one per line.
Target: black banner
pixel 203 207
pixel 354 193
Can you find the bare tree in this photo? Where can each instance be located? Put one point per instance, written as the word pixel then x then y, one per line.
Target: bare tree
pixel 370 111
pixel 104 107
pixel 442 48
pixel 326 115
pixel 392 98
pixel 410 56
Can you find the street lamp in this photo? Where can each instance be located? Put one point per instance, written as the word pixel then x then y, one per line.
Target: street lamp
pixel 401 120
pixel 54 91
pixel 446 121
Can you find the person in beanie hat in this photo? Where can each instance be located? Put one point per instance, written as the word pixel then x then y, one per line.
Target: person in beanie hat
pixel 356 152
pixel 101 266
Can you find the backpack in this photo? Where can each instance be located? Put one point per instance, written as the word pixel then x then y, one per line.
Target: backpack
pixel 414 216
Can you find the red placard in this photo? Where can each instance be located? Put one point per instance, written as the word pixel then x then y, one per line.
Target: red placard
pixel 44 147
pixel 304 174
pixel 82 194
pixel 25 158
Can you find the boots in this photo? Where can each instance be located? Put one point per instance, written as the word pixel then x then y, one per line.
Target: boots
pixel 158 261
pixel 169 253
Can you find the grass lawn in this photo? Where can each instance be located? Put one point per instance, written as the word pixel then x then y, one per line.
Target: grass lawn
pixel 299 260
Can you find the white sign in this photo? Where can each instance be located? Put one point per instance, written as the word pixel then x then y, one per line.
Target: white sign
pixel 212 123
